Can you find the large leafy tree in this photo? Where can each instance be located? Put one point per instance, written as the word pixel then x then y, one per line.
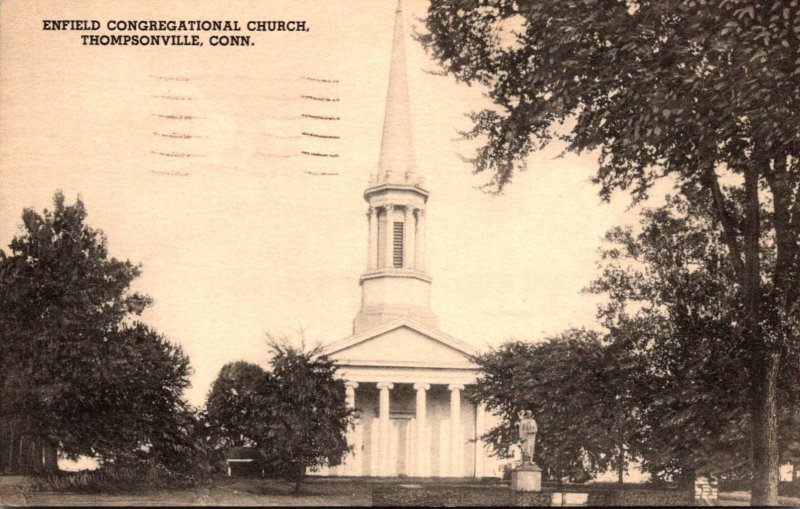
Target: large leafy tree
pixel 234 403
pixel 704 91
pixel 673 307
pixel 294 414
pixel 311 416
pixel 580 392
pixel 79 374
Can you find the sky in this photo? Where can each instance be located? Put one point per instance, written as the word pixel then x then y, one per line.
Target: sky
pixel 239 232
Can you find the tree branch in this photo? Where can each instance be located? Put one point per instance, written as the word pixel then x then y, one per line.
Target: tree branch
pixel 729 229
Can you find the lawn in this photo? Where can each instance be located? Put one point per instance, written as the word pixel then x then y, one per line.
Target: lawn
pixel 224 492
pixel 252 492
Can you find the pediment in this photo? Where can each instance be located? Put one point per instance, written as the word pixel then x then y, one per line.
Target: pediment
pixel 403 344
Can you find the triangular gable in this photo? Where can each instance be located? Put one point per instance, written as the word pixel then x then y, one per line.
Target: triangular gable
pixel 402 343
pixel 434 335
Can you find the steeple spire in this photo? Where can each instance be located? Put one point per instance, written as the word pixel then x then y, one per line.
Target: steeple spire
pixel 397 153
pixel 395 284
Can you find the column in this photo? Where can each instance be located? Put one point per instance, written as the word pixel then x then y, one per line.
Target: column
pixel 350 394
pixel 383 415
pixel 480 427
pixel 456 438
pixel 358 446
pixel 419 256
pixel 372 246
pixel 388 237
pixel 423 450
pixel 349 461
pixel 374 447
pixel 408 238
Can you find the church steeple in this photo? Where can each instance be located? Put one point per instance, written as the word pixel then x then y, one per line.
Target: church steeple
pixel 397 152
pixel 395 284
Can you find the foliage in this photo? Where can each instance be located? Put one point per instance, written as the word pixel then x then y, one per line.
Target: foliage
pixel 188 447
pixel 295 415
pixel 234 402
pixel 647 82
pixel 691 89
pixel 673 306
pixel 110 479
pixel 638 497
pixel 579 392
pixel 310 415
pixel 431 495
pixel 78 372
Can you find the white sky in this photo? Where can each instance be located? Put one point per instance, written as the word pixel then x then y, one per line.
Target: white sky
pixel 247 243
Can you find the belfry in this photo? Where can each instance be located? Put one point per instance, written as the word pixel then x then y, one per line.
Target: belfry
pixel 404 377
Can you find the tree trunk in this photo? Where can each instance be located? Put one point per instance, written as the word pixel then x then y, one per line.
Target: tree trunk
pixel 50 458
pixel 13 460
pixel 35 452
pixel 22 463
pixel 620 444
pixel 4 437
pixel 764 363
pixel 299 475
pixel 765 430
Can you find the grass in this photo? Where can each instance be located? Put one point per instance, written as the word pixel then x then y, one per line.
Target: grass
pixel 225 491
pixel 222 492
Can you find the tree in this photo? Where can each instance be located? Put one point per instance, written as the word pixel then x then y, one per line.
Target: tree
pixel 702 91
pixel 310 414
pixel 294 415
pixel 673 307
pixel 578 390
pixel 79 374
pixel 233 405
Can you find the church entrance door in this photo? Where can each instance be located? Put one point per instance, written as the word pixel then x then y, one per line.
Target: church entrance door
pixel 400 447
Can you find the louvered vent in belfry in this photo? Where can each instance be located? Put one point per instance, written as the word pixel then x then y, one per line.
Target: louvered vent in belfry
pixel 397 245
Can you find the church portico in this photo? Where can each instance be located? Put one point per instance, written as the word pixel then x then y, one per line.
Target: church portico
pixel 405 429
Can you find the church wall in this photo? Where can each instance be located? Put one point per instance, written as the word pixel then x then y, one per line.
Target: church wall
pixel 438 420
pixel 409 291
pixel 468 432
pixel 439 426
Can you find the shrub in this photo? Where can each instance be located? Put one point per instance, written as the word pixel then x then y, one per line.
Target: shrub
pixel 115 479
pixel 735 484
pixel 789 489
pixel 639 497
pixel 450 495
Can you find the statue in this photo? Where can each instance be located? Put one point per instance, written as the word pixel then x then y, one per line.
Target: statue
pixel 527 476
pixel 527 437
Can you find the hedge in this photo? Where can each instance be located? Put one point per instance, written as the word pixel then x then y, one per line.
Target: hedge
pixel 451 495
pixel 789 489
pixel 639 497
pixel 499 495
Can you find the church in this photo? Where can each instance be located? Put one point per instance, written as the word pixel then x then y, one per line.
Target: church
pixel 405 378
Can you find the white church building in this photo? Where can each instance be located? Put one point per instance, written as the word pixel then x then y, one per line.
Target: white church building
pixel 405 377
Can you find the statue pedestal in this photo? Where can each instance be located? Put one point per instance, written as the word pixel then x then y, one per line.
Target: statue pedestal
pixel 526 478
